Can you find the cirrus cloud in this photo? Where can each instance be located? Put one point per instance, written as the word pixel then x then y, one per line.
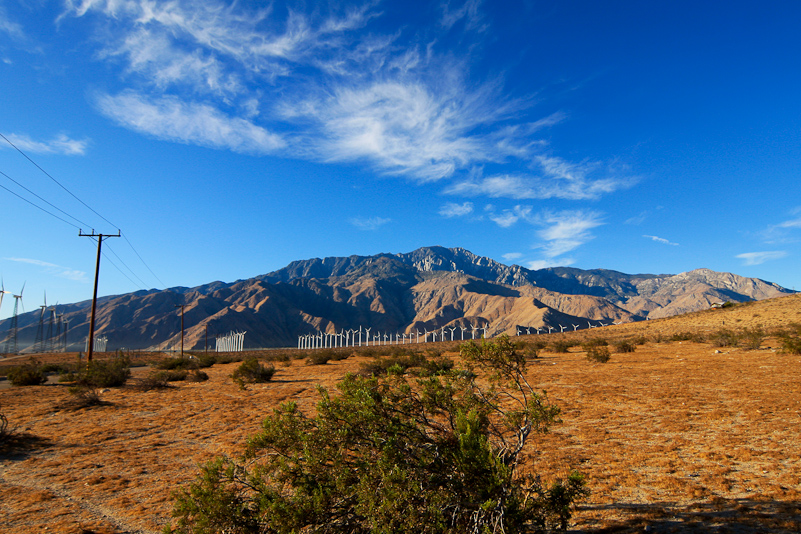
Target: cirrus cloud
pixel 758 258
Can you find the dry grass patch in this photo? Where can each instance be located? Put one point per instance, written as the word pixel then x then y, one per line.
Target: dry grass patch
pixel 674 437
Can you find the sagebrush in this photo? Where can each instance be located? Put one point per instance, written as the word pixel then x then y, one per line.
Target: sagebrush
pixel 392 454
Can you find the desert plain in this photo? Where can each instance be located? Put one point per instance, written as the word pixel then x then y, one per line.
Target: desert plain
pixel 679 435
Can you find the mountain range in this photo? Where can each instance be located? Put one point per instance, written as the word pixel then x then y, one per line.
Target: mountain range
pixel 426 289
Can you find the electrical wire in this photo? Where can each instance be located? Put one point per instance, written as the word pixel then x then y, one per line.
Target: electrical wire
pixel 126 266
pixel 43 200
pixel 74 218
pixel 57 182
pixel 163 285
pixel 108 259
pixel 38 207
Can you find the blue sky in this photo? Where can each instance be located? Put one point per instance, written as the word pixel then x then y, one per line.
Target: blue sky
pixel 226 139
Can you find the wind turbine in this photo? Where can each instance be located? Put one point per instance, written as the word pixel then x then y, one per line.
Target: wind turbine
pixel 11 343
pixel 64 334
pixel 48 342
pixel 2 292
pixel 38 342
pixel 575 326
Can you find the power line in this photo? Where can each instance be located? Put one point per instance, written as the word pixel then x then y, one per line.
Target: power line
pixel 43 200
pixel 163 285
pixel 57 182
pixel 76 219
pixel 39 207
pixel 126 266
pixel 117 266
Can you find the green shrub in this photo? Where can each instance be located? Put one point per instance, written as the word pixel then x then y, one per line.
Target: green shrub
pixel 228 358
pixel 171 375
pixel 561 346
pixel 625 346
pixel 196 375
pixel 598 353
pixel 171 364
pixel 400 360
pixel 153 381
pixel 725 338
pixel 104 373
pixel 82 396
pixel 791 345
pixel 54 368
pixel 594 342
pixel 392 455
pixel 252 372
pixel 752 338
pixel 319 358
pixel 30 374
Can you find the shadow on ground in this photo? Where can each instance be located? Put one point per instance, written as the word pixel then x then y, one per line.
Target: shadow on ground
pixel 735 516
pixel 16 446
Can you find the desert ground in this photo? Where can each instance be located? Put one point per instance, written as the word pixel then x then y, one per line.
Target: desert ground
pixel 679 435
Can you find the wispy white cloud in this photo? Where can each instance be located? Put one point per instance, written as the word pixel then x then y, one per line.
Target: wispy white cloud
pixel 509 217
pixel 468 12
pixel 757 258
pixel 173 119
pixel 660 240
pixel 567 230
pixel 512 256
pixel 61 144
pixel 637 219
pixel 451 209
pixel 559 179
pixel 783 231
pixel 323 84
pixel 371 223
pixel 544 264
pixel 9 27
pixel 409 126
pixel 53 269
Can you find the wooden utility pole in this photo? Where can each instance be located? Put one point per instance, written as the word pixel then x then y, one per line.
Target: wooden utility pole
pixel 99 237
pixel 182 306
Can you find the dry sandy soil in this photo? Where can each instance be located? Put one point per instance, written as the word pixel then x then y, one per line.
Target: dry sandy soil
pixel 676 436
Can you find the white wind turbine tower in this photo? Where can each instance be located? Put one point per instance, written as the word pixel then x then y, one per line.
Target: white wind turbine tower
pixel 561 328
pixel 11 343
pixel 2 292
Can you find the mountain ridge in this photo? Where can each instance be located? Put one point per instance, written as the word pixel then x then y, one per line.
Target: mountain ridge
pixel 428 288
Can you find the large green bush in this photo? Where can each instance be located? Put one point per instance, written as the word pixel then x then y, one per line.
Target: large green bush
pixel 392 454
pixel 30 374
pixel 104 373
pixel 252 372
